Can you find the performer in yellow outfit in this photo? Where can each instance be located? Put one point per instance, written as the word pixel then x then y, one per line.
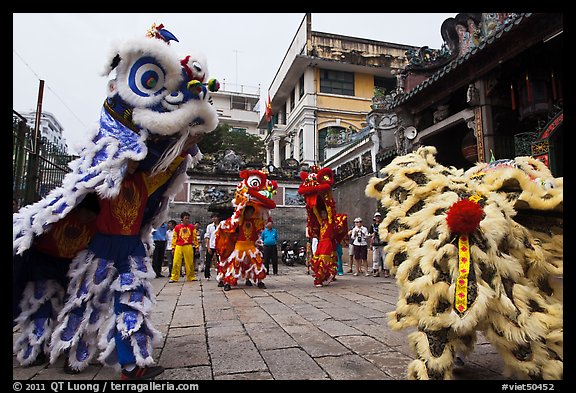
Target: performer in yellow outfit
pixel 183 241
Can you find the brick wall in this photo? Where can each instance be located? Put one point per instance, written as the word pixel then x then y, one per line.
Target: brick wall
pixel 351 199
pixel 290 222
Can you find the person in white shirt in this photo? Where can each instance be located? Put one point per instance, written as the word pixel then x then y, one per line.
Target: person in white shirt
pixel 198 251
pixel 350 251
pixel 210 243
pixel 377 245
pixel 359 238
pixel 169 233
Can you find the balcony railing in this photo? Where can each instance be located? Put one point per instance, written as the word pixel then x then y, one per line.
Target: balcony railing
pixel 237 88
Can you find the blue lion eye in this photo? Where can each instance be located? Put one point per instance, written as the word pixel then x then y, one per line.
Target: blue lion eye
pixel 146 77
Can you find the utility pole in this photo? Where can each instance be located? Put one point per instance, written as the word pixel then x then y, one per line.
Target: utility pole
pixel 32 178
pixel 236 61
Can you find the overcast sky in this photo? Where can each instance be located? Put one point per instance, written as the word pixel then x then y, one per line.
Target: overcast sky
pixel 68 50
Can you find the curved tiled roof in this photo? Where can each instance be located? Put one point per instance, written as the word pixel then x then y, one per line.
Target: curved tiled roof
pixel 442 72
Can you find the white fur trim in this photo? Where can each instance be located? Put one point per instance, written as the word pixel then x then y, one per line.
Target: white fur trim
pixel 134 48
pixel 170 123
pixel 107 344
pixel 34 219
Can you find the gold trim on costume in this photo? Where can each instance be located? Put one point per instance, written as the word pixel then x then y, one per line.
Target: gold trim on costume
pixel 71 238
pixel 461 291
pixel 155 182
pixel 125 207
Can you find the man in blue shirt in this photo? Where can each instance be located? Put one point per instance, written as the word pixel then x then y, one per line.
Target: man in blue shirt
pixel 269 238
pixel 159 237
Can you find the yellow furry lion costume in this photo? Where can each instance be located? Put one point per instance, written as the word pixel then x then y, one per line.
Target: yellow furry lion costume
pixel 475 250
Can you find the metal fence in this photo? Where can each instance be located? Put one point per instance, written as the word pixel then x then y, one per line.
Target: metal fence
pixel 38 166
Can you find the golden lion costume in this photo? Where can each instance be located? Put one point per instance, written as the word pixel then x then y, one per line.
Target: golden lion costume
pixel 475 250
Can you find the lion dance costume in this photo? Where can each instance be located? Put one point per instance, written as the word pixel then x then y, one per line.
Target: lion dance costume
pixel 237 236
pixel 476 250
pixel 158 106
pixel 316 188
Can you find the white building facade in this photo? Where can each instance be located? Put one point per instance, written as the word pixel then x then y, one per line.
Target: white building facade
pixel 322 94
pixel 50 128
pixel 237 106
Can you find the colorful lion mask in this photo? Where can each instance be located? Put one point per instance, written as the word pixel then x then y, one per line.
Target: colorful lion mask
pixel 152 109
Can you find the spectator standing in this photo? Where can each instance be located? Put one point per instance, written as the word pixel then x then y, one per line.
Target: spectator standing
pixel 269 238
pixel 184 240
pixel 210 245
pixel 339 269
pixel 360 241
pixel 377 246
pixel 198 249
pixel 159 237
pixel 169 255
pixel 350 250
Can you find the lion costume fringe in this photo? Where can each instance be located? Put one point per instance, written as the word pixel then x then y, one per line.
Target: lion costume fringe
pixel 157 104
pixel 475 250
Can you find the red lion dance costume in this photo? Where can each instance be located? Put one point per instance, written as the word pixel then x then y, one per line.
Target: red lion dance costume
pixel 236 237
pixel 316 188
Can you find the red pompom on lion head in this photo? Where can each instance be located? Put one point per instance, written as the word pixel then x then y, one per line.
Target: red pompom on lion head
pixel 464 216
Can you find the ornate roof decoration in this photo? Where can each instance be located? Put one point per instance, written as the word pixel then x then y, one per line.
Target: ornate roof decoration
pixel 464 36
pixel 428 58
pixel 227 163
pixel 384 102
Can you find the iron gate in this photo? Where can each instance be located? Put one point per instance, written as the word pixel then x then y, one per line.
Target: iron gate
pixel 38 166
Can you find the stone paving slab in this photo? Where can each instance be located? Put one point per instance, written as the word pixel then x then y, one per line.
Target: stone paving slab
pixel 234 354
pixel 268 336
pixel 292 363
pixel 252 376
pixel 393 364
pixel 311 313
pixel 351 367
pixel 252 314
pixel 202 373
pixel 290 330
pixel 362 345
pixel 185 347
pixel 337 328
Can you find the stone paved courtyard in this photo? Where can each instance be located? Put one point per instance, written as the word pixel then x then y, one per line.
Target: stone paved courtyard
pixel 290 330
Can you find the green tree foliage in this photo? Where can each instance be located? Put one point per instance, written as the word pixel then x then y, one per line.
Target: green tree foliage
pixel 224 138
pixel 214 141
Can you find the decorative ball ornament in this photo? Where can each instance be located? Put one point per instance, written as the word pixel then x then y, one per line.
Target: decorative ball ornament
pixel 464 216
pixel 213 85
pixel 195 87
